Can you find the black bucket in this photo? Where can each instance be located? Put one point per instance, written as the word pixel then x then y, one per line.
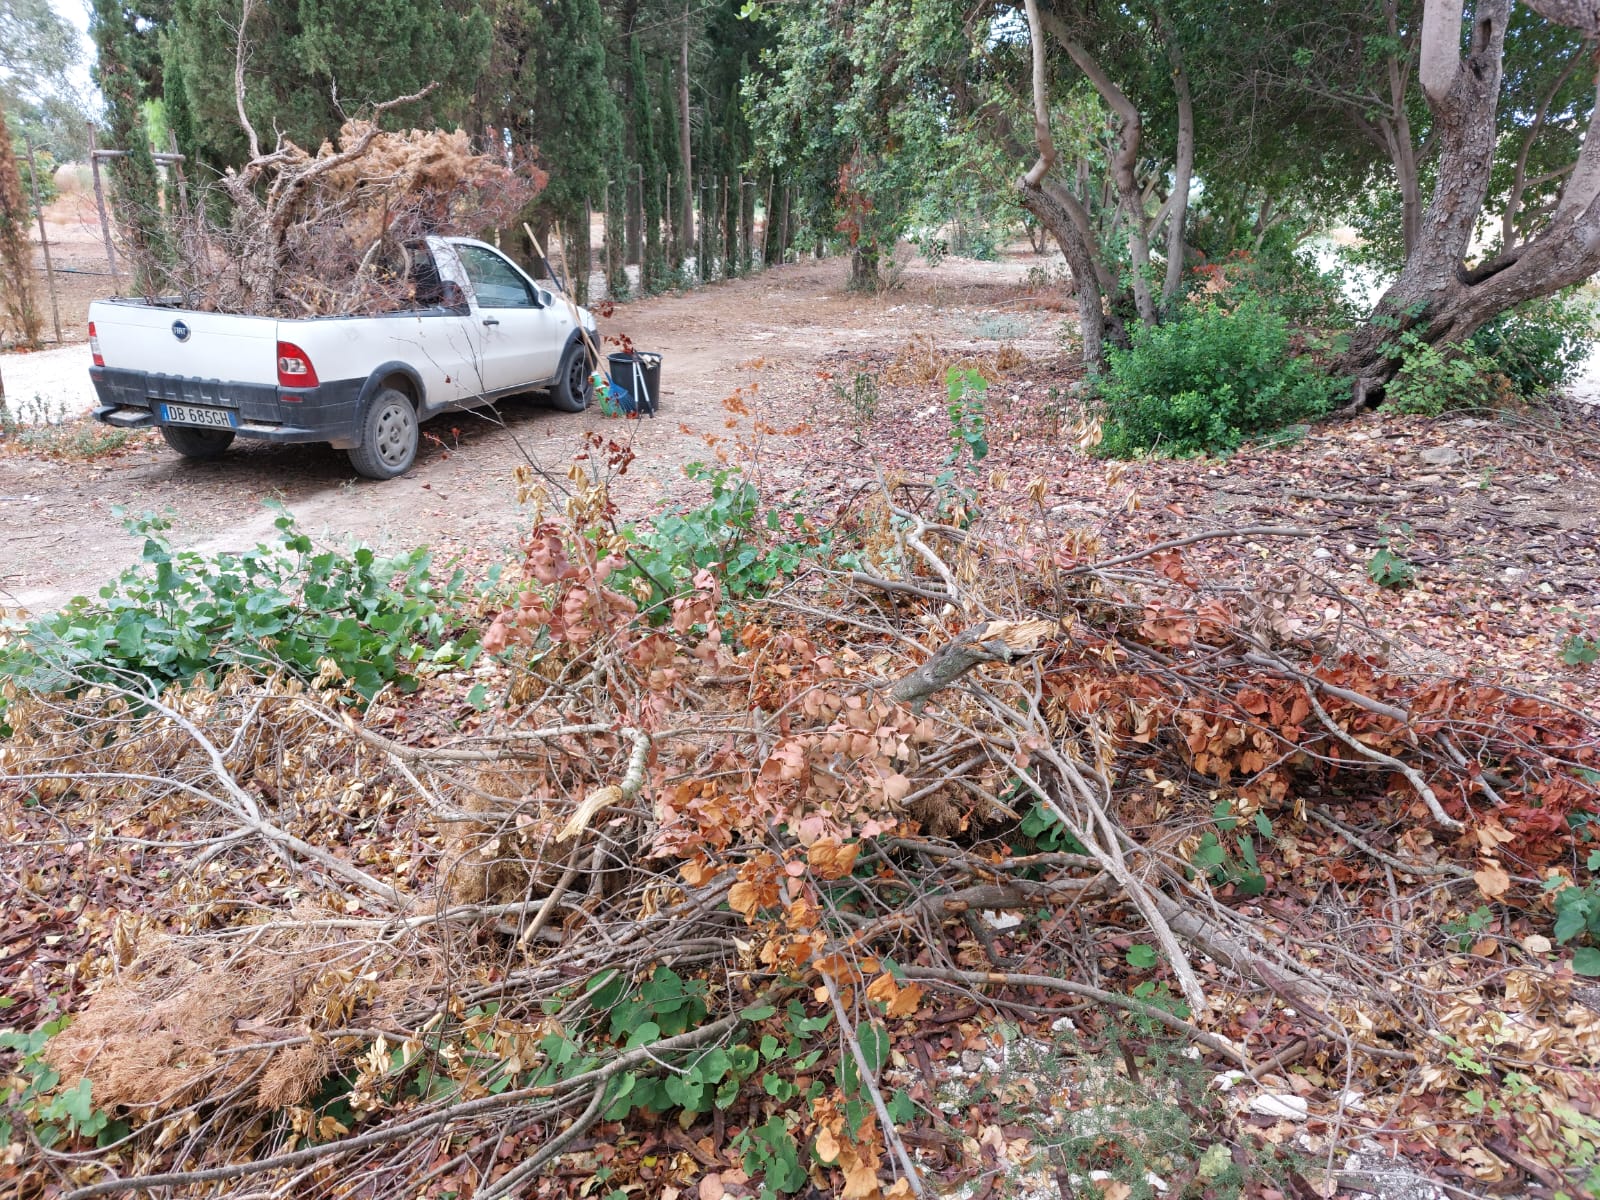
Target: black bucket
pixel 638 374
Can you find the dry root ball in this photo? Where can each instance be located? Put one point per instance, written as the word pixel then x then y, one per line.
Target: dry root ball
pixel 333 233
pixel 402 186
pixel 172 1026
pixel 940 813
pixel 510 853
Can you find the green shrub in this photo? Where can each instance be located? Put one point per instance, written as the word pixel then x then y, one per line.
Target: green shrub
pixel 752 548
pixel 1204 382
pixel 1521 354
pixel 44 181
pixel 1435 379
pixel 1289 280
pixel 1539 345
pixel 287 605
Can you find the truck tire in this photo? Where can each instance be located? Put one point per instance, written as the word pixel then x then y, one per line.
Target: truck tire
pixel 572 389
pixel 388 436
pixel 198 444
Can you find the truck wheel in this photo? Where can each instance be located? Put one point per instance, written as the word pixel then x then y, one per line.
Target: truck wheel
pixel 388 436
pixel 572 388
pixel 197 443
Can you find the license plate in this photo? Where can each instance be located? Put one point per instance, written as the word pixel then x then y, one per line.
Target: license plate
pixel 187 414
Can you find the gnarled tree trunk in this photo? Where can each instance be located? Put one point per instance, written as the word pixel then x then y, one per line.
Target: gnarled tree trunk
pixel 1437 295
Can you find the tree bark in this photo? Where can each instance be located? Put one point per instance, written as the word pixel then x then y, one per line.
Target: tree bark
pixel 1433 293
pixel 1123 165
pixel 686 227
pixel 1051 206
pixel 1058 210
pixel 1182 173
pixel 864 266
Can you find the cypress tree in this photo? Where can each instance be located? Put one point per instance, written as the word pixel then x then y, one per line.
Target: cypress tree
pixel 179 119
pixel 576 125
pixel 136 186
pixel 666 116
pixel 649 164
pixel 298 53
pixel 16 253
pixel 401 47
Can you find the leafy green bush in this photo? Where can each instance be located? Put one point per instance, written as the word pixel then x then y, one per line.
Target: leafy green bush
pixel 1288 279
pixel 1435 379
pixel 44 181
pixel 751 546
pixel 1539 345
pixel 285 605
pixel 1204 382
pixel 1519 355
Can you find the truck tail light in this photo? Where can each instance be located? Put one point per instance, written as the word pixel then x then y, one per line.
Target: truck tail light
pixel 94 347
pixel 294 367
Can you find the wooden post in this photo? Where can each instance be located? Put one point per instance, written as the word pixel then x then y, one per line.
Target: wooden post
pixel 766 228
pixel 728 251
pixel 747 224
pixel 100 203
pixel 44 242
pixel 177 166
pixel 633 206
pixel 702 243
pixel 610 241
pixel 671 221
pixel 582 290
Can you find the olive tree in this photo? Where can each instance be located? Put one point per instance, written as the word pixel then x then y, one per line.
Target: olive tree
pixel 1445 291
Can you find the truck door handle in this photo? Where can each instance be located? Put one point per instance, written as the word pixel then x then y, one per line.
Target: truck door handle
pixel 491 320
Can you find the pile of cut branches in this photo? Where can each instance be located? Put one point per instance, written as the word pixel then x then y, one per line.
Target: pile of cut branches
pixel 704 864
pixel 334 233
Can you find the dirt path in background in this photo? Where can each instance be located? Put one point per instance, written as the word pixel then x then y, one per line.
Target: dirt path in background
pixel 59 535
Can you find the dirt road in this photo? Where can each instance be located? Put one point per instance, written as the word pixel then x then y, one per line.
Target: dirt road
pixel 61 536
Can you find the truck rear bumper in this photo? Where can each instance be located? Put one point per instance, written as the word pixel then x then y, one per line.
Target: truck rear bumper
pixel 326 413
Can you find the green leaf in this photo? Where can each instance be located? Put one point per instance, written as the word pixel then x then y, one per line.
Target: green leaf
pixel 757 1012
pixel 1580 651
pixel 1571 920
pixel 605 988
pixel 1141 956
pixel 685 1091
pixel 873 1038
pixel 1586 961
pixel 643 1035
pixel 1216 1159
pixel 901 1107
pixel 1208 853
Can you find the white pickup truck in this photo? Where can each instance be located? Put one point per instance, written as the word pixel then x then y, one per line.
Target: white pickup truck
pixel 480 329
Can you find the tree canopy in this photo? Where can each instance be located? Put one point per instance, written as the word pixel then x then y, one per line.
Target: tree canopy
pixel 39 50
pixel 1143 139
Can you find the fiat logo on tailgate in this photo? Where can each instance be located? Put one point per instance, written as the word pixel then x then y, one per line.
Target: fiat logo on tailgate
pixel 180 331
